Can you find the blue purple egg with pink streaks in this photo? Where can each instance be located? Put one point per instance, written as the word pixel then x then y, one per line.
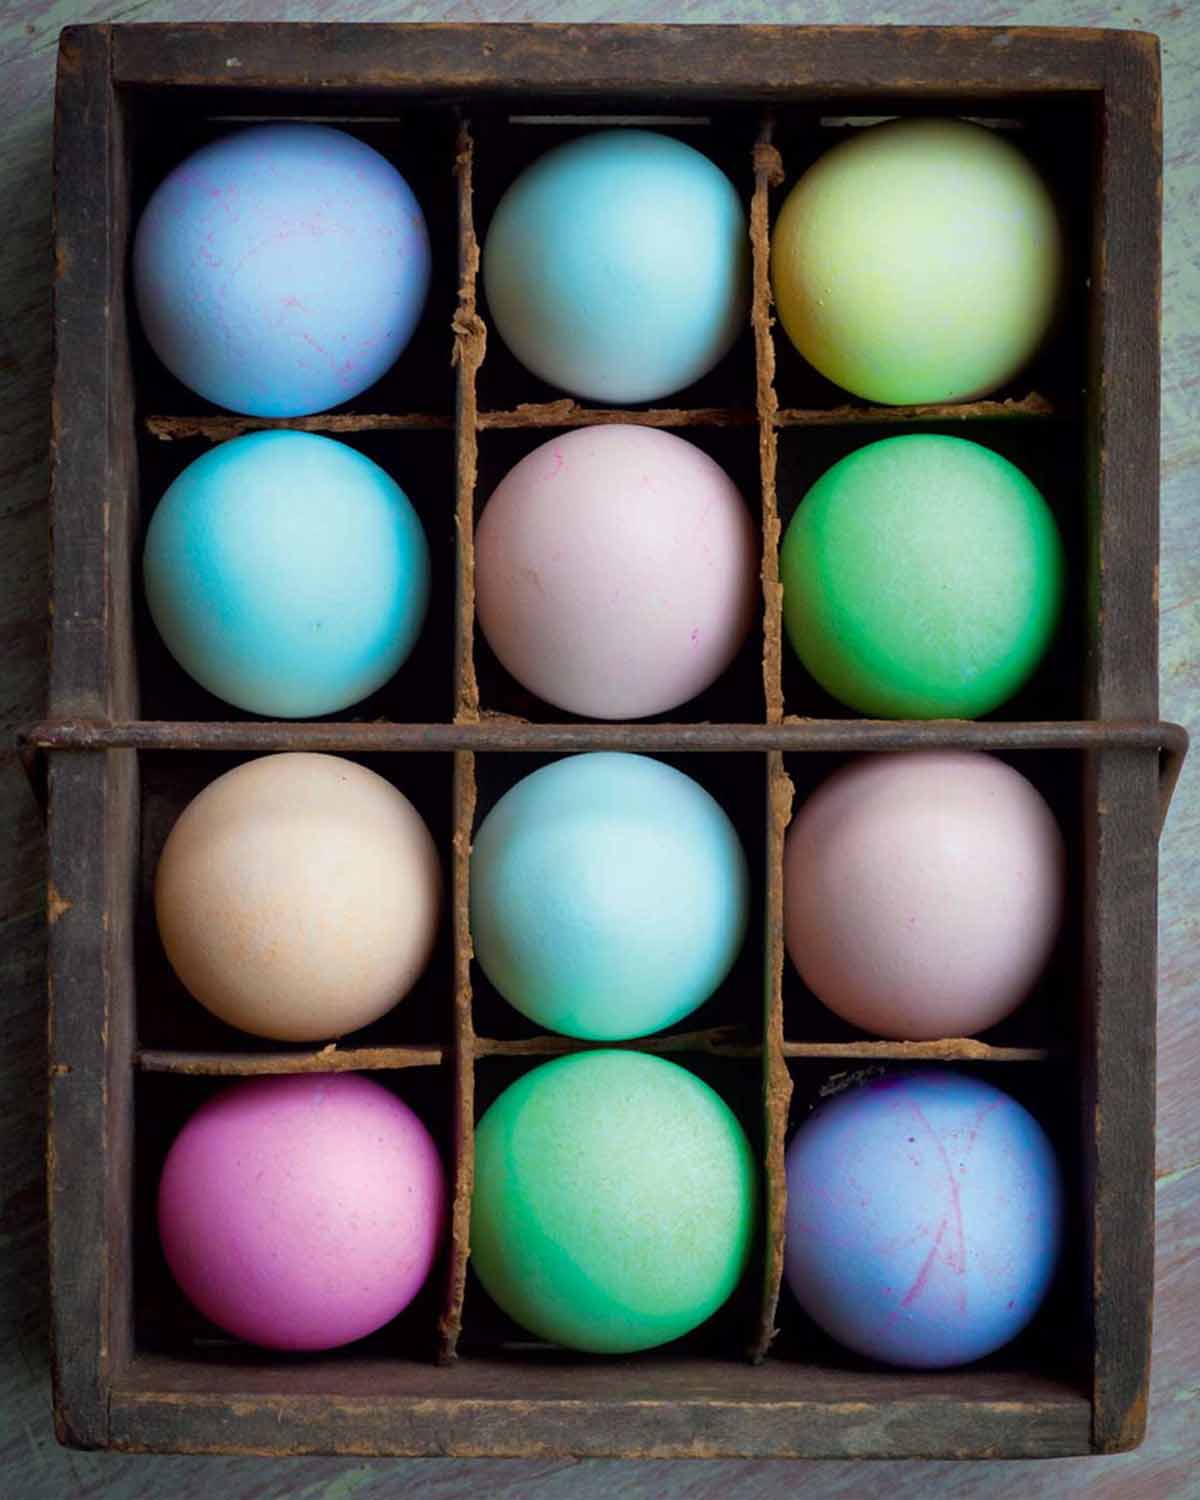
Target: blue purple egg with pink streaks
pixel 925 1218
pixel 282 269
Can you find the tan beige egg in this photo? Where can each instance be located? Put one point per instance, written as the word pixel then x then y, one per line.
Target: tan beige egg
pixel 298 896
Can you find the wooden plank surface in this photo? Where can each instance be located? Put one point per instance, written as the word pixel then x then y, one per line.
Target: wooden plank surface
pixel 30 1463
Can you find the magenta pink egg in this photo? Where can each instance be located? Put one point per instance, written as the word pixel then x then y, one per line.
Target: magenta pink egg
pixel 302 1212
pixel 923 892
pixel 616 571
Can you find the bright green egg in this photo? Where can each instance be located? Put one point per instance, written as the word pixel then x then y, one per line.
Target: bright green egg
pixel 615 1203
pixel 922 578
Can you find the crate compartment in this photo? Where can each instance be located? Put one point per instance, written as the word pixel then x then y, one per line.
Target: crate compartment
pixel 731 1331
pixel 732 1015
pixel 737 694
pixel 1056 136
pixel 1055 1342
pixel 165 1324
pixel 419 142
pixel 169 1019
pixel 1047 1023
pixel 1051 455
pixel 422 689
pixel 508 141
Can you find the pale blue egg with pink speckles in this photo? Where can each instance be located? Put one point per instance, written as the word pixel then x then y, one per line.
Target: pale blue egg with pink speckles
pixel 281 270
pixel 924 1218
pixel 287 573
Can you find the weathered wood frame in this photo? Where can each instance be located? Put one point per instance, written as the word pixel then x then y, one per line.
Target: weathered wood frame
pixel 107 1393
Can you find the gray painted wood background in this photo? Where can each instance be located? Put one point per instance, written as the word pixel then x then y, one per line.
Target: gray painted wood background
pixel 32 1467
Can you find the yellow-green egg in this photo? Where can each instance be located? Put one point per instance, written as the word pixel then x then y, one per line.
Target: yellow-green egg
pixel 919 261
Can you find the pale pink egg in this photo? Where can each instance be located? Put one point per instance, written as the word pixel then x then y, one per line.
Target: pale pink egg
pixel 616 571
pixel 923 892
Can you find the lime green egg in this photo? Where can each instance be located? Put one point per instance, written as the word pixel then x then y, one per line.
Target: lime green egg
pixel 615 1202
pixel 923 578
pixel 919 261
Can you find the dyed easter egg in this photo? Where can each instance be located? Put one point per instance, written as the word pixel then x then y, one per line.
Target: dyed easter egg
pixel 923 892
pixel 923 578
pixel 615 1202
pixel 281 269
pixel 918 261
pixel 287 573
pixel 924 1218
pixel 617 266
pixel 302 1212
pixel 609 896
pixel 297 896
pixel 616 571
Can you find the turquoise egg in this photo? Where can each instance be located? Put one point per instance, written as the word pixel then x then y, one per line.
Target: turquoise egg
pixel 609 896
pixel 617 266
pixel 287 573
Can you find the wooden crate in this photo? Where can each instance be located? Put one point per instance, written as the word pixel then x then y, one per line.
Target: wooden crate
pixel 130 738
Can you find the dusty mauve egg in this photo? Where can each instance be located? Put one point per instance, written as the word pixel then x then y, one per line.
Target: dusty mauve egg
pixel 297 896
pixel 923 892
pixel 302 1212
pixel 616 571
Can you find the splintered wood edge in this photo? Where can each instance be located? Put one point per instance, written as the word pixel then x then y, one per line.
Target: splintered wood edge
pixel 717 1041
pixel 768 172
pixel 330 1059
pixel 777 1080
pixel 465 1048
pixel 569 413
pixel 947 1049
pixel 470 347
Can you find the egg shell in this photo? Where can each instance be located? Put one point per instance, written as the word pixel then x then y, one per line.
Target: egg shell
pixel 609 896
pixel 281 269
pixel 923 578
pixel 615 1201
pixel 287 573
pixel 923 892
pixel 302 1212
pixel 919 261
pixel 617 266
pixel 924 1218
pixel 616 571
pixel 297 896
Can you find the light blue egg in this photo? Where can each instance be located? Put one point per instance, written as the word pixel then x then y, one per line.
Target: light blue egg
pixel 287 573
pixel 609 896
pixel 617 266
pixel 924 1218
pixel 282 269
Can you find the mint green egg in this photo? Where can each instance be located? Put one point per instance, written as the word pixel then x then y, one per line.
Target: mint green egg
pixel 615 1202
pixel 922 578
